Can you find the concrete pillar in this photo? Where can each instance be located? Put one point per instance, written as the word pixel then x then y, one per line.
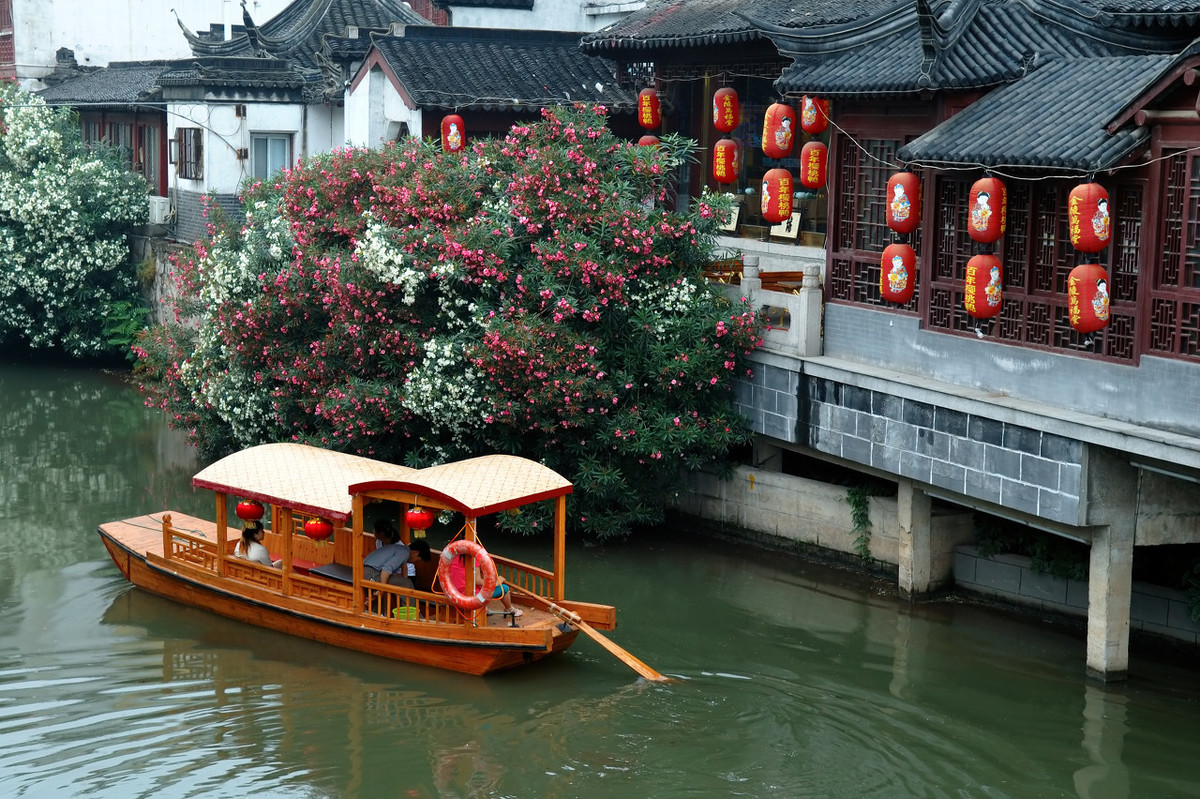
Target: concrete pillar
pixel 916 545
pixel 1110 590
pixel 1111 502
pixel 809 312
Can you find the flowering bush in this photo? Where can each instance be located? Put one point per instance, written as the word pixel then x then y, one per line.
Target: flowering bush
pixel 530 296
pixel 65 213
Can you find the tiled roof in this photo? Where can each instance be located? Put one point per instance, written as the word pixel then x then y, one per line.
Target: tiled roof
pixel 976 44
pixel 490 69
pixel 1055 117
pixel 666 24
pixel 523 5
pixel 298 31
pixel 120 83
pixel 216 71
pixel 1147 13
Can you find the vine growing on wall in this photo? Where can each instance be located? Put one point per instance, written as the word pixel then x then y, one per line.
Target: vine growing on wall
pixel 859 499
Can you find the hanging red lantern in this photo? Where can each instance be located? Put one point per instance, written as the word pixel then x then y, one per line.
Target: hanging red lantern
pixel 814 114
pixel 903 202
pixel 989 208
pixel 777 195
pixel 725 161
pixel 897 276
pixel 648 115
pixel 454 133
pixel 648 140
pixel 249 510
pixel 418 518
pixel 983 291
pixel 726 112
pixel 779 131
pixel 318 529
pixel 812 165
pixel 1087 298
pixel 1087 216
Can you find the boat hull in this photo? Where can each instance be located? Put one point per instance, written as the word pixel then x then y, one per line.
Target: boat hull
pixel 457 647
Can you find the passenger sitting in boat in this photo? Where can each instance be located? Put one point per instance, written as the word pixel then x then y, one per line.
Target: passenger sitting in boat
pixel 390 564
pixel 426 564
pixel 385 533
pixel 458 576
pixel 251 546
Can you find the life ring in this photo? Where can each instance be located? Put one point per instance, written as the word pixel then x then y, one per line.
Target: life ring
pixel 487 568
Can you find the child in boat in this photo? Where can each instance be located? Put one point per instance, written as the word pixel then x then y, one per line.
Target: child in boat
pixel 251 546
pixel 458 576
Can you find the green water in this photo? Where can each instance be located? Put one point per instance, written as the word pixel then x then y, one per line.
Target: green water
pixel 792 680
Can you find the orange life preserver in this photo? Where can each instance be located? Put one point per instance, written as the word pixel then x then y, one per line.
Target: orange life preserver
pixel 487 568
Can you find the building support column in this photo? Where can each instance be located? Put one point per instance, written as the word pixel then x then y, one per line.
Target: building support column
pixel 916 546
pixel 1110 591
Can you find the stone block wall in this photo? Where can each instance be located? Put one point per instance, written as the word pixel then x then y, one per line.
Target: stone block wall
pixel 1153 608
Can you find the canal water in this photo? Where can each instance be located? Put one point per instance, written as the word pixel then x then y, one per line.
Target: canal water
pixel 791 680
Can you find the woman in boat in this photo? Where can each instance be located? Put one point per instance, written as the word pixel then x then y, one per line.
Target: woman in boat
pixel 458 576
pixel 424 561
pixel 251 546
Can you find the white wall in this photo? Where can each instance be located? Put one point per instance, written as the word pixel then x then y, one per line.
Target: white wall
pixel 100 31
pixel 547 15
pixel 374 112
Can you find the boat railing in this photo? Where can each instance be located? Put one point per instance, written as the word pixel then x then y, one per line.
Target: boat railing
pixel 248 571
pixel 393 602
pixel 522 575
pixel 326 592
pixel 188 548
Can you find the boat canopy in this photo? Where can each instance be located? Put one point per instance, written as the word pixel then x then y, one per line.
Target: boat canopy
pixel 321 482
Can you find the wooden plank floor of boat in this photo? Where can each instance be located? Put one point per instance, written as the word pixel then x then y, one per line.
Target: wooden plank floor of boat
pixel 143 534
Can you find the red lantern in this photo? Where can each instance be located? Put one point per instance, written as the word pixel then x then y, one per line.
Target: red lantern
pixel 726 113
pixel 989 207
pixel 249 510
pixel 1087 216
pixel 648 141
pixel 898 273
pixel 777 195
pixel 814 114
pixel 903 202
pixel 1087 298
pixel 418 518
pixel 779 131
pixel 725 161
pixel 812 165
pixel 318 529
pixel 454 133
pixel 648 116
pixel 983 291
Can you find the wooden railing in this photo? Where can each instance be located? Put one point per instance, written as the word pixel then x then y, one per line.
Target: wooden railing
pixel 522 575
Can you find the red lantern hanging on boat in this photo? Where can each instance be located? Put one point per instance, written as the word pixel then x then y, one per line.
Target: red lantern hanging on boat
pixel 814 114
pixel 812 165
pixel 454 133
pixel 727 113
pixel 648 114
pixel 983 291
pixel 903 202
pixel 898 268
pixel 249 510
pixel 777 195
pixel 1087 298
pixel 318 529
pixel 725 161
pixel 418 518
pixel 779 130
pixel 1087 217
pixel 649 140
pixel 989 208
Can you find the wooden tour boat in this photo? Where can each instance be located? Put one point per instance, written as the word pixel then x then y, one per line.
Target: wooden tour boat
pixel 320 591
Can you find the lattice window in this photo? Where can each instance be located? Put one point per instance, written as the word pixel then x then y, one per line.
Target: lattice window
pixel 187 153
pixel 1037 257
pixel 1175 289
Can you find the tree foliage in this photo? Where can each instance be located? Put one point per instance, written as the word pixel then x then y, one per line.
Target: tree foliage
pixel 65 214
pixel 528 296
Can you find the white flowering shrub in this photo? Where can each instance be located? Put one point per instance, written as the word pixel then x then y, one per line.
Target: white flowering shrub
pixel 65 215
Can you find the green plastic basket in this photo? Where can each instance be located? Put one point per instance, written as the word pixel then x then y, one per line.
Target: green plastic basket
pixel 407 613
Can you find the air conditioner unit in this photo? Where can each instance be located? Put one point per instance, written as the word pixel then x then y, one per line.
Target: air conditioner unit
pixel 160 210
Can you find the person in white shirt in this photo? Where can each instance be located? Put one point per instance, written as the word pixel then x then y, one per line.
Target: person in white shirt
pixel 251 546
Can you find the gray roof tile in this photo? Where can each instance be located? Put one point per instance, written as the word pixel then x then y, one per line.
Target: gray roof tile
pixel 120 83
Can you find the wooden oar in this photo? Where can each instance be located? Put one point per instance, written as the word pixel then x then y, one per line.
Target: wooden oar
pixel 573 618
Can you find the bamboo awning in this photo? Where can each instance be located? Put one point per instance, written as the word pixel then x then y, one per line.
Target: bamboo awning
pixel 309 479
pixel 478 486
pixel 321 482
